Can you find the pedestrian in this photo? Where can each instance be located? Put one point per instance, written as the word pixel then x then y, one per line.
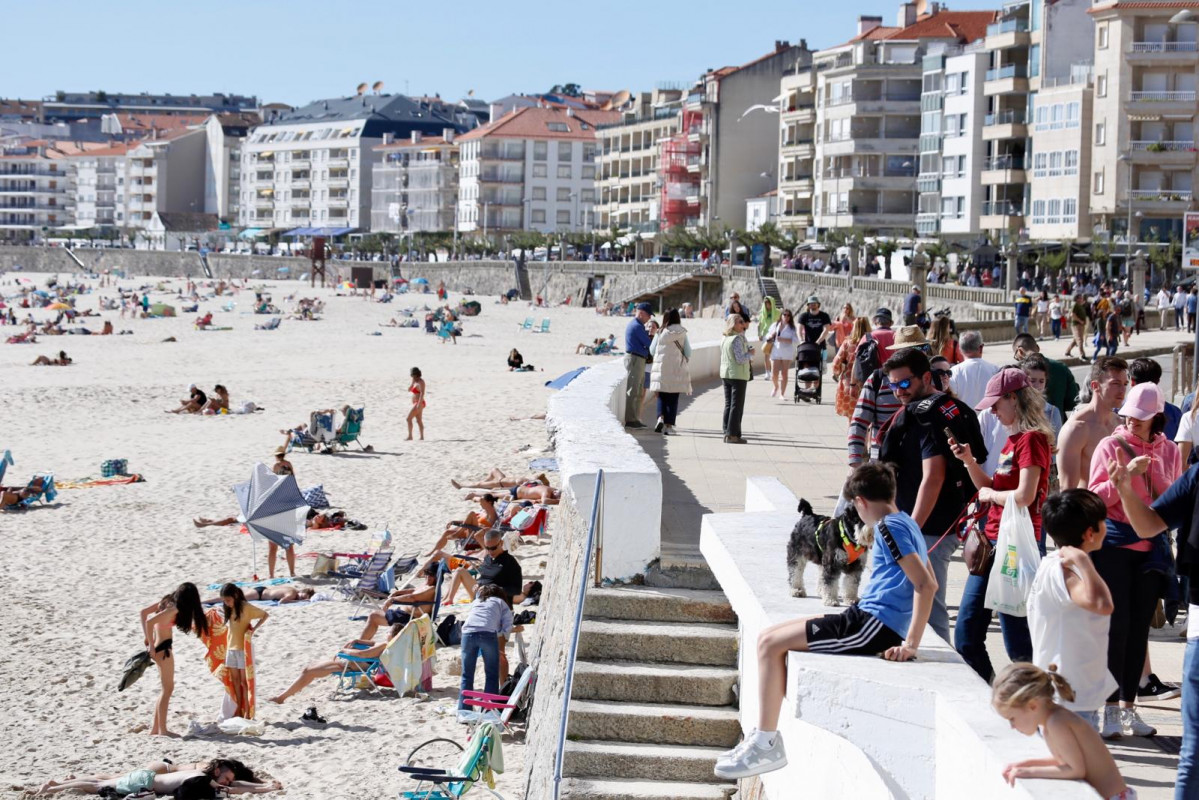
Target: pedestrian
pixel 849 387
pixel 636 353
pixel 735 355
pixel 489 619
pixel 1042 312
pixel 1022 477
pixel 969 379
pixel 1192 300
pixel 1055 316
pixel 1092 422
pixel 1023 306
pixel 1079 314
pixel 877 403
pixel 1180 305
pixel 913 306
pixel 670 373
pixel 1164 305
pixel 1133 567
pixel 783 340
pixel 417 413
pixel 1061 389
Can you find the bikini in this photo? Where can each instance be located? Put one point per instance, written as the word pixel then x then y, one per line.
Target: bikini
pixel 164 647
pixel 416 391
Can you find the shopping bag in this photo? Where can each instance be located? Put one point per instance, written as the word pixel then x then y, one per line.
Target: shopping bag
pixel 1016 561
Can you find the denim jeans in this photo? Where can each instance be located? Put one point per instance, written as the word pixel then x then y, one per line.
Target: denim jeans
pixel 970 632
pixel 938 617
pixel 668 407
pixel 734 405
pixel 1056 325
pixel 486 645
pixel 1187 785
pixel 1021 325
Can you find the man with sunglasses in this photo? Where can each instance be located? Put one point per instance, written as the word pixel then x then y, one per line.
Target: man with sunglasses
pixel 498 568
pixel 931 485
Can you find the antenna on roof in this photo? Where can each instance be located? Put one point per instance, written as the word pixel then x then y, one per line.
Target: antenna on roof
pixel 377 87
pixel 361 89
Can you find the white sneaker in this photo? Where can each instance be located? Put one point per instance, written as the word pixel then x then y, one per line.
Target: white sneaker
pixel 1132 724
pixel 669 430
pixel 1111 727
pixel 752 758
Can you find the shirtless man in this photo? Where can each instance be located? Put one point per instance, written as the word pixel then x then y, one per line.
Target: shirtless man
pixel 496 479
pixel 1091 422
pixel 279 594
pixel 535 491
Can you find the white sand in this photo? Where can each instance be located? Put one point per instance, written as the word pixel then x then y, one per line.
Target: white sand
pixel 74 576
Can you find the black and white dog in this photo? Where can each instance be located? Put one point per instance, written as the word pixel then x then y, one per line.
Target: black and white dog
pixel 837 544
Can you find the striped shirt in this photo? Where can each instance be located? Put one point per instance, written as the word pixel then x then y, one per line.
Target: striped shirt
pixel 876 405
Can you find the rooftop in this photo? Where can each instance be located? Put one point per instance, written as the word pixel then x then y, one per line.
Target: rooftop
pixel 395 108
pixel 545 123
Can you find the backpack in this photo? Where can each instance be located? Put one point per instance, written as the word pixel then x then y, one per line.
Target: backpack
pixel 866 359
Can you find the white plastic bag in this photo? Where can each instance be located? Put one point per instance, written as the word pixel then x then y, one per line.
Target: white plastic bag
pixel 1016 561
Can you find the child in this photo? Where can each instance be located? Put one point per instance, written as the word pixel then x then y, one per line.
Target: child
pixel 490 619
pixel 240 617
pixel 1069 605
pixel 895 604
pixel 1023 695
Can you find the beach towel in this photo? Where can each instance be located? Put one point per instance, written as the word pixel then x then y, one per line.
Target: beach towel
pixel 544 464
pixel 215 642
pixel 269 582
pixel 85 483
pixel 401 659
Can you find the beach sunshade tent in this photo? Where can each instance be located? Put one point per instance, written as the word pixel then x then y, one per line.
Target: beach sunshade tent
pixel 421 280
pixel 561 381
pixel 162 310
pixel 58 306
pixel 272 507
pixel 5 460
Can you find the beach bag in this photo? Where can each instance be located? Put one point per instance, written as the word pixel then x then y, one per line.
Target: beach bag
pixel 522 519
pixel 449 631
pixel 865 359
pixel 315 497
pixel 325 564
pixel 1016 561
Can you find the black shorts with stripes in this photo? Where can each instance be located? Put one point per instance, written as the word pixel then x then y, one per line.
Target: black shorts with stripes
pixel 853 632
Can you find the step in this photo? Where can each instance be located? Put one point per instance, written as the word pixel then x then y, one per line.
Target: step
pixel 660 605
pixel 655 762
pixel 637 682
pixel 586 789
pixel 656 723
pixel 667 642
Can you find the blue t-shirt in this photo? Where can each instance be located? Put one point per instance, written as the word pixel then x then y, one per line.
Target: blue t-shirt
pixel 636 340
pixel 1191 300
pixel 888 595
pixel 911 303
pixel 1175 507
pixel 1023 305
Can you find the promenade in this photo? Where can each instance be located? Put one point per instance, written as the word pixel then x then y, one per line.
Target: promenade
pixel 803 445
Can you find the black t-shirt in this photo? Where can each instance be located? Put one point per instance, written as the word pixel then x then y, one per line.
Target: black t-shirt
pixel 503 571
pixel 199 396
pixel 812 325
pixel 918 433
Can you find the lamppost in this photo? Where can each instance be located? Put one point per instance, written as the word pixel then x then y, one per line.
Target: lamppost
pixel 1127 158
pixel 485 204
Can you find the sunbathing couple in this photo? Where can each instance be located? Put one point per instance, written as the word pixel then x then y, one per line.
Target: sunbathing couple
pixel 199 780
pixel 46 361
pixel 536 488
pixel 598 346
pixel 199 403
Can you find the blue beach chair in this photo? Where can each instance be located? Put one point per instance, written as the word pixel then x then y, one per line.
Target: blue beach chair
pixel 482 755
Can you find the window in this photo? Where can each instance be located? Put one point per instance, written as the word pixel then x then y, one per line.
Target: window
pixel 1100 133
pixel 1057 117
pixel 558 127
pixel 1098 183
pixel 1071 162
pixel 1073 112
pixel 1038 212
pixel 1054 214
pixel 1101 86
pixel 953 83
pixel 949 207
pixel 539 216
pixel 564 150
pixel 563 194
pixel 1070 210
pixel 1034 61
pixel 1042 121
pixel 539 171
pixel 1055 164
pixel 563 217
pixel 949 166
pixel 588 173
pixel 1102 31
pixel 540 151
pixel 564 171
pixel 538 192
pixel 1040 163
pixel 588 196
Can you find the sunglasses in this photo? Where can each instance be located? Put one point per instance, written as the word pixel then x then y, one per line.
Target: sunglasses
pixel 942 372
pixel 492 548
pixel 904 384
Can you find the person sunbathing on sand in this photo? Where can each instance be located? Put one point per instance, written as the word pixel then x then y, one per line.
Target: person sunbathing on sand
pixel 416 601
pixel 496 479
pixel 218 774
pixel 475 521
pixel 219 403
pixel 193 404
pixel 319 669
pixel 46 361
pixel 534 489
pixel 279 594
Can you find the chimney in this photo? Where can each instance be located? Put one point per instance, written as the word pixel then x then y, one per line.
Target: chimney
pixel 388 137
pixel 907 15
pixel 867 24
pixel 447 134
pixel 570 112
pixel 416 137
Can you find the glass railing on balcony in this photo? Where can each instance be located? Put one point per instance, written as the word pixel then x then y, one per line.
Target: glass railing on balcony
pixel 1004 162
pixel 1164 47
pixel 1155 146
pixel 1163 97
pixel 1160 195
pixel 1010 71
pixel 1010 117
pixel 1008 26
pixel 1001 208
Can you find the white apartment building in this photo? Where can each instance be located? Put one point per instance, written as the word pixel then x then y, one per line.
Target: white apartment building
pixel 951 144
pixel 629 157
pixel 163 174
pixel 100 187
pixel 1143 155
pixel 414 185
pixel 868 100
pixel 532 169
pixel 37 188
pixel 1059 205
pixel 311 167
pixel 222 163
pixel 797 149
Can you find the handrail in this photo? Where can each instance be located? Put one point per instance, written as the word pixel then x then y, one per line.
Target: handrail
pixel 597 519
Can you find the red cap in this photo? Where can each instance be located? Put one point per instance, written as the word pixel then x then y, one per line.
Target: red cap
pixel 1003 382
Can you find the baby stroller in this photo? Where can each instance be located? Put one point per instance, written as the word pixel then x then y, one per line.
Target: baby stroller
pixel 809 371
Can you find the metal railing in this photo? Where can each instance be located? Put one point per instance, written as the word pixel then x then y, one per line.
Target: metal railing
pixel 1004 162
pixel 1164 47
pixel 595 544
pixel 1010 117
pixel 1001 208
pixel 1010 71
pixel 1160 195
pixel 1163 97
pixel 1155 146
pixel 1008 26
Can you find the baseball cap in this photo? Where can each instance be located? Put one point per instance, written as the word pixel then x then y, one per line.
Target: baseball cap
pixel 915 288
pixel 813 299
pixel 884 313
pixel 1003 382
pixel 1144 401
pixel 646 307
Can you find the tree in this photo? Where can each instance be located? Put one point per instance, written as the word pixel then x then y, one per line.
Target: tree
pixel 886 248
pixel 566 89
pixel 1101 254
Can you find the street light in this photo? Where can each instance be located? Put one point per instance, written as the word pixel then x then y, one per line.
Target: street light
pixel 1127 158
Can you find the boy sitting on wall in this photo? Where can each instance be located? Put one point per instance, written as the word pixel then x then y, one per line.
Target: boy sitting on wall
pixel 889 619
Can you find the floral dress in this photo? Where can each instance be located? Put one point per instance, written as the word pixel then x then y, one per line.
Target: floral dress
pixel 847 389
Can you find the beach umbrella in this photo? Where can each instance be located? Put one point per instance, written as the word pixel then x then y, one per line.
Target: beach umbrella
pixel 561 381
pixel 421 280
pixel 58 307
pixel 162 310
pixel 5 460
pixel 272 507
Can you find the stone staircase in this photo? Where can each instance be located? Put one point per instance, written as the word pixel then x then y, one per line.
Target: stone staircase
pixel 522 281
pixel 653 696
pixel 769 288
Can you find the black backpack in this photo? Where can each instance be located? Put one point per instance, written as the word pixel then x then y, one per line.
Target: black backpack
pixel 866 359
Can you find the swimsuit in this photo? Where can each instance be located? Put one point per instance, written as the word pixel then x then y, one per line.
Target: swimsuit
pixel 164 647
pixel 416 392
pixel 137 781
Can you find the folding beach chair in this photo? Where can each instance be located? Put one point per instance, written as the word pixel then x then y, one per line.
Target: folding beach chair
pixel 41 488
pixel 429 326
pixel 482 755
pixel 5 460
pixel 366 585
pixel 351 428
pixel 528 324
pixel 320 431
pixel 507 705
pixel 269 325
pixel 360 668
pixel 545 327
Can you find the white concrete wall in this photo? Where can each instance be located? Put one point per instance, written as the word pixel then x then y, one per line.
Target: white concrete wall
pixel 861 727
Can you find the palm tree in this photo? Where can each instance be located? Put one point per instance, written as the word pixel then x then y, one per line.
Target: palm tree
pixel 886 248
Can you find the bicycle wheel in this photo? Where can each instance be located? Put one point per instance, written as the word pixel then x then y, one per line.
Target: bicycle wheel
pixel 435 754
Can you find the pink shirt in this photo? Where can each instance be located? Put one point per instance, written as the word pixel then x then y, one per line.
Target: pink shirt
pixel 1164 468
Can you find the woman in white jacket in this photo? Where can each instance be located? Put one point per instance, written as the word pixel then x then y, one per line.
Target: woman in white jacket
pixel 670 375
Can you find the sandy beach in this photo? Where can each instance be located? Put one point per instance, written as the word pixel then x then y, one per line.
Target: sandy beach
pixel 77 572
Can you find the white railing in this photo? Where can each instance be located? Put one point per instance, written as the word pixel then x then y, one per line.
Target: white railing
pixel 1163 97
pixel 1153 146
pixel 1160 196
pixel 1164 47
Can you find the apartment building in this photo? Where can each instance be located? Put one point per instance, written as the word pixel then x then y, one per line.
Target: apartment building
pixel 414 184
pixel 74 106
pixel 629 160
pixel 951 143
pixel 1033 44
pixel 224 134
pixel 797 149
pixel 100 187
pixel 37 188
pixel 532 169
pixel 727 147
pixel 311 166
pixel 1059 205
pixel 868 99
pixel 1143 131
pixel 163 174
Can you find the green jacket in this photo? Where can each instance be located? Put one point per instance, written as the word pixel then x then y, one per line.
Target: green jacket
pixel 1061 389
pixel 734 358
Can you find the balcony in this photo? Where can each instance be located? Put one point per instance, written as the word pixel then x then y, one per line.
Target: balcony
pixel 1007 34
pixel 1152 53
pixel 1010 124
pixel 1158 102
pixel 1163 153
pixel 798 148
pixel 800 112
pixel 502 155
pixel 1012 79
pixel 1002 170
pixel 854 105
pixel 338 163
pixel 1160 199
pixel 898 145
pixel 299 163
pixel 1000 215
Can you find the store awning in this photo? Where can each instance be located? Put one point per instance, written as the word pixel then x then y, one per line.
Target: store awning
pixel 250 233
pixel 326 232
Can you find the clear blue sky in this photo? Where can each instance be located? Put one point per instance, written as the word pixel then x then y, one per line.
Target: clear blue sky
pixel 302 50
